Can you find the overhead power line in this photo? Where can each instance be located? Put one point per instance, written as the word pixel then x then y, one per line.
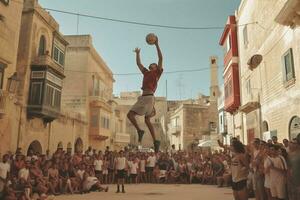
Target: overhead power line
pixel 142 23
pixel 139 73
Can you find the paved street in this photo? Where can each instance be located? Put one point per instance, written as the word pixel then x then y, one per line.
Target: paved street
pixel 158 192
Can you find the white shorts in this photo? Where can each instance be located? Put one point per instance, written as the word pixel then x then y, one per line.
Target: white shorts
pixel 144 105
pixel 278 189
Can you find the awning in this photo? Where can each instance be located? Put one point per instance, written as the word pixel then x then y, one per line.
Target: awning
pixel 208 143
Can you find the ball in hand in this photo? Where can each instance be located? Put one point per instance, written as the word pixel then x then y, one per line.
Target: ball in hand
pixel 151 38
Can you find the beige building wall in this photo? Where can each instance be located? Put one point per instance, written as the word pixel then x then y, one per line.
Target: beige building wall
pixel 9 39
pixel 23 129
pixel 88 89
pixel 191 121
pixel 126 101
pixel 265 84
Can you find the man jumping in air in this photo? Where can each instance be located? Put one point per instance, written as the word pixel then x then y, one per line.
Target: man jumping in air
pixel 145 104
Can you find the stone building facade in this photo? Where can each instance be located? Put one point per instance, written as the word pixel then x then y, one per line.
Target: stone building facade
pixel 10 23
pixel 36 120
pixel 92 95
pixel 268 33
pixel 195 120
pixel 270 89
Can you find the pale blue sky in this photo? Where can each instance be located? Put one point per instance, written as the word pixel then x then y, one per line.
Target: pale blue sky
pixel 182 49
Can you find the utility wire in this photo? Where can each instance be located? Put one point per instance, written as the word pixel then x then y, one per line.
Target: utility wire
pixel 139 73
pixel 141 23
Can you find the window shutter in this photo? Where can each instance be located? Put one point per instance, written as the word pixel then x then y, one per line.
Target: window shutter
pixel 284 78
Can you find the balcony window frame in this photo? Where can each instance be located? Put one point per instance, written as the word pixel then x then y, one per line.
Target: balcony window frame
pixel 59 53
pixel 2 72
pixel 32 96
pixel 42 46
pixel 245 36
pixel 288 71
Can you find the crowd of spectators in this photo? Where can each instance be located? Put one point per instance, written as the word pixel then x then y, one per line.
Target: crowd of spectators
pixel 267 170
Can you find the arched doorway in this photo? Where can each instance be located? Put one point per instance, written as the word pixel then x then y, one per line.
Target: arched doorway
pixel 69 147
pixel 294 128
pixel 78 145
pixel 265 126
pixel 36 147
pixel 60 145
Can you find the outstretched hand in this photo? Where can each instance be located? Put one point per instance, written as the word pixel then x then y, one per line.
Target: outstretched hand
pixel 137 50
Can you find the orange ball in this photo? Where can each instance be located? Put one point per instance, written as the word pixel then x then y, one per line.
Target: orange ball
pixel 151 38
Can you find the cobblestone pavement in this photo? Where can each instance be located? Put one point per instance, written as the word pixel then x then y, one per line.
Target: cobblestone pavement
pixel 157 192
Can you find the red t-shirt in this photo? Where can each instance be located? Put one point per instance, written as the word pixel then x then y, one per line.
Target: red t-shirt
pixel 151 78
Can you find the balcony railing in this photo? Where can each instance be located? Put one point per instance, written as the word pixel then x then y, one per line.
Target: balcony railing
pixel 46 60
pixel 2 101
pixel 174 130
pixel 289 15
pixel 251 102
pixel 122 138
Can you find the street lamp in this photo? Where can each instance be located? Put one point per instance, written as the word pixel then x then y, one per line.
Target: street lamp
pixel 12 83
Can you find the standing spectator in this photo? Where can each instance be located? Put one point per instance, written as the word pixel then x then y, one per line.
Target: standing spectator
pixel 4 173
pixel 151 161
pixel 286 145
pixel 143 178
pixel 134 166
pixel 257 168
pixel 121 166
pixel 240 171
pixel 98 163
pixel 278 171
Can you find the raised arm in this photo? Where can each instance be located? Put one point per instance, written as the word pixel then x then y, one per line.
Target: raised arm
pixel 138 60
pixel 160 57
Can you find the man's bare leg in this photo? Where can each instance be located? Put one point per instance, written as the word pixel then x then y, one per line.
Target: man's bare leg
pixel 150 127
pixel 131 116
pixel 152 132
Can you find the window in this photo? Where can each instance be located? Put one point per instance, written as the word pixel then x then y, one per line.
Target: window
pixel 245 35
pixel 288 66
pixel 52 97
pixel 105 122
pixel 221 119
pixel 2 66
pixel 49 95
pixel 228 89
pixel 42 46
pixel 36 93
pixel 227 44
pixel 57 97
pixel 294 127
pixel 248 86
pixel 95 120
pixel 58 56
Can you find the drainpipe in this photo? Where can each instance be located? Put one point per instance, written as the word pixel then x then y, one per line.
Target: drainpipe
pixel 19 126
pixel 49 134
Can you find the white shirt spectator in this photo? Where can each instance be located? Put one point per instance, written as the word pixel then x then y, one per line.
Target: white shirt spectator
pixel 134 167
pixel 80 173
pixel 143 165
pixel 23 174
pixel 151 161
pixel 98 165
pixel 277 179
pixel 120 163
pixel 267 164
pixel 4 169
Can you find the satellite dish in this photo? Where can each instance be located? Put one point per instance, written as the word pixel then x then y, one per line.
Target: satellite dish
pixel 254 61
